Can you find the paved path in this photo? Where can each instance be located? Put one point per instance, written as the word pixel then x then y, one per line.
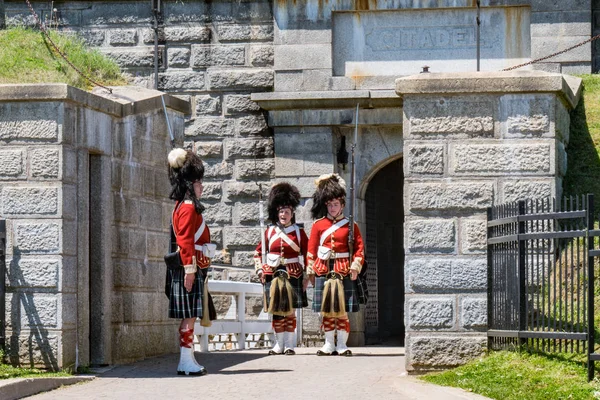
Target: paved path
pixel 372 373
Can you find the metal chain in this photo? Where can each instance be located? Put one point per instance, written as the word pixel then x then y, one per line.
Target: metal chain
pixel 553 55
pixel 45 32
pixel 63 55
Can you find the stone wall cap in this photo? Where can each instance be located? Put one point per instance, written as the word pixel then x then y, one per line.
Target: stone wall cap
pixel 137 99
pixel 124 101
pixel 416 10
pixel 327 99
pixel 527 81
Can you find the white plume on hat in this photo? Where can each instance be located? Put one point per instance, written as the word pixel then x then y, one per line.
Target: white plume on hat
pixel 177 157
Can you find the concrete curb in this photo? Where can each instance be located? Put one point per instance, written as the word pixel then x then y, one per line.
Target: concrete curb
pixel 17 388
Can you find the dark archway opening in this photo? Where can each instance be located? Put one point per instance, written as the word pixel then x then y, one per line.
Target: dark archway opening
pixel 384 317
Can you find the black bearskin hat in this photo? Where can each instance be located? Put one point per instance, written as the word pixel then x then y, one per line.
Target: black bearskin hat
pixel 282 195
pixel 185 167
pixel 329 187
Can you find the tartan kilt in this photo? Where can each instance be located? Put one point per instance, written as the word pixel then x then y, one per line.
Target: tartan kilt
pixel 181 303
pixel 361 283
pixel 350 294
pixel 363 289
pixel 299 299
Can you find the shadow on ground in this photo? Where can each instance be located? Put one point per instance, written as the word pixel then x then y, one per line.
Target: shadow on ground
pixel 165 366
pixel 220 362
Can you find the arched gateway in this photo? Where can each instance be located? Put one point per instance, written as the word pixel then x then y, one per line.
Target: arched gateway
pixel 308 134
pixel 468 141
pixel 384 314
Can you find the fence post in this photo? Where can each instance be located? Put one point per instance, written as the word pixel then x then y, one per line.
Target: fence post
pixel 490 281
pixel 299 326
pixel 590 288
pixel 522 306
pixel 3 285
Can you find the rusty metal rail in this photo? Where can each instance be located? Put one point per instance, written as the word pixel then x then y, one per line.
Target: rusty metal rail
pixel 553 54
pixel 59 51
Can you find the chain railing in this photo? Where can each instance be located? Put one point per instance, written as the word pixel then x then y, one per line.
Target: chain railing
pixel 61 53
pixel 64 56
pixel 553 54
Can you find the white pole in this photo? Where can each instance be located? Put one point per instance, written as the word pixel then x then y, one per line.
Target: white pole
pixel 298 327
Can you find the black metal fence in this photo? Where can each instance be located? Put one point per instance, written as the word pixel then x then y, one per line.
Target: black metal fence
pixel 541 276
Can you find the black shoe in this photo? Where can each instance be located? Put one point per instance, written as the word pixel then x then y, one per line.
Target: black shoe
pixel 322 353
pixel 289 352
pixel 274 353
pixel 346 353
pixel 199 373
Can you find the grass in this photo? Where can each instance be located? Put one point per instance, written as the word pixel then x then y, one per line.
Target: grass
pixel 583 153
pixel 7 372
pixel 521 375
pixel 26 56
pixel 583 162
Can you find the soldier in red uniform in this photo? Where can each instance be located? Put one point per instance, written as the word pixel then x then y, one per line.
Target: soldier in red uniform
pixel 331 268
pixel 282 267
pixel 193 240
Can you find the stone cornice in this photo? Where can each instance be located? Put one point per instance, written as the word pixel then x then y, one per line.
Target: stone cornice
pixel 327 99
pixel 124 101
pixel 568 87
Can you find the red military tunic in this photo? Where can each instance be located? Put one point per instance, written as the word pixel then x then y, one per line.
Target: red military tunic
pixel 191 233
pixel 276 245
pixel 324 235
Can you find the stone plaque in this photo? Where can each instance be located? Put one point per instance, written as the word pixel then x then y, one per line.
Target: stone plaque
pixel 401 42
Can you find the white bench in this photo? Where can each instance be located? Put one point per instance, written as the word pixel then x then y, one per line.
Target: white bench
pixel 235 321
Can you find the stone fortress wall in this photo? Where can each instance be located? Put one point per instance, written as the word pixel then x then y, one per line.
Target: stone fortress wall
pixel 296 59
pixel 215 54
pixel 84 194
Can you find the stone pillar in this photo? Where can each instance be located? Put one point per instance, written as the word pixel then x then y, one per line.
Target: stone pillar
pixel 40 232
pixel 471 141
pixel 85 276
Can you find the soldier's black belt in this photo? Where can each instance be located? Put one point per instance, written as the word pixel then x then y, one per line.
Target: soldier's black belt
pixel 281 272
pixel 334 275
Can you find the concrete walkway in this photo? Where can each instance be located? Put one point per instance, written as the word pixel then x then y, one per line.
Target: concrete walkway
pixel 372 373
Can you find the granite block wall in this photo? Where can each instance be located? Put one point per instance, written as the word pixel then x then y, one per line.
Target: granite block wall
pixel 468 150
pixel 84 195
